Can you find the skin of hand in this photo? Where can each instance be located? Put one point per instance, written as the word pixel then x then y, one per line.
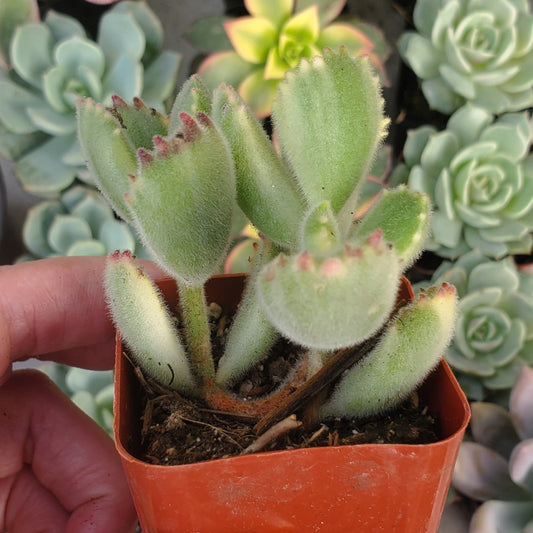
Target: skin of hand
pixel 58 469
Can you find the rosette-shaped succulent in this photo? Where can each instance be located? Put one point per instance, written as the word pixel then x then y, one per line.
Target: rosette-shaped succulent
pixel 495 465
pixel 479 175
pixel 494 333
pixel 79 223
pixel 52 63
pixel 472 51
pixel 272 40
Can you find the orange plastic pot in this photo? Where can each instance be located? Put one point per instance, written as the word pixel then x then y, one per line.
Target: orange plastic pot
pixel 363 488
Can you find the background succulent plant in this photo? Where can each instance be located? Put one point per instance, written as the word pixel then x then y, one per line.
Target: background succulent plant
pixel 494 333
pixel 79 223
pixel 479 175
pixel 252 53
pixel 90 390
pixel 472 51
pixel 495 465
pixel 49 64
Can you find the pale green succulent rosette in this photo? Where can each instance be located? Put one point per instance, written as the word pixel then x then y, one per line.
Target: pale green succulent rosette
pixel 272 40
pixel 472 51
pixel 494 465
pixel 79 223
pixel 494 333
pixel 53 63
pixel 479 175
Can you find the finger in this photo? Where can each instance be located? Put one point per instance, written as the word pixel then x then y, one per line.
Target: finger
pixel 70 456
pixel 54 305
pixel 33 507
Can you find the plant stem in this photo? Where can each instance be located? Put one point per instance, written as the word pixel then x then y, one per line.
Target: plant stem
pixel 194 314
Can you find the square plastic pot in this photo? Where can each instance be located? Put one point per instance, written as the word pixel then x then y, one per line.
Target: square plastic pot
pixel 363 488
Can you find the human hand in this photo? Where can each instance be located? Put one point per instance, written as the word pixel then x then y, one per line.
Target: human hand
pixel 58 469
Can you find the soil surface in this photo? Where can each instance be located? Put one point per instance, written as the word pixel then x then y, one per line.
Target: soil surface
pixel 176 430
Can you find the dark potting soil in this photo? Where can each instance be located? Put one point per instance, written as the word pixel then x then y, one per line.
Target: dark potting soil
pixel 175 430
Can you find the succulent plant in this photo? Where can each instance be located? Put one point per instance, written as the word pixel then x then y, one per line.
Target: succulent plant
pixel 320 280
pixel 79 223
pixel 49 64
pixel 252 53
pixel 495 464
pixel 472 51
pixel 478 173
pixel 494 333
pixel 90 390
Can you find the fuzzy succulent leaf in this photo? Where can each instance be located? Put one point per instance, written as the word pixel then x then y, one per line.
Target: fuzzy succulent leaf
pixel 109 152
pixel 242 351
pixel 191 181
pixel 410 347
pixel 404 218
pixel 144 322
pixel 321 235
pixel 266 191
pixel 311 300
pixel 329 167
pixel 193 98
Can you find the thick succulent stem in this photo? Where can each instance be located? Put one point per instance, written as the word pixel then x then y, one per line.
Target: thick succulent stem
pixel 194 315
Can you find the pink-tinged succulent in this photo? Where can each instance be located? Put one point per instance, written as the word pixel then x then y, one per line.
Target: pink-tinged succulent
pixel 318 279
pixel 272 40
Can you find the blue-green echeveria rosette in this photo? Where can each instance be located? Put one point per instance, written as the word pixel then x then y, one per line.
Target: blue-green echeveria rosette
pixel 479 175
pixel 478 51
pixel 52 63
pixel 80 222
pixel 494 332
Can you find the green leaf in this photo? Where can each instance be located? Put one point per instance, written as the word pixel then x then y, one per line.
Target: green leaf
pixel 404 218
pixel 42 171
pixel 409 349
pixel 66 230
pixel 14 13
pixel 150 25
pixel 109 152
pixel 195 197
pixel 141 316
pixel 252 38
pixel 119 34
pixel 160 78
pixel 266 191
pixel 35 229
pixel 309 300
pixel 70 54
pixel 31 52
pixel 63 27
pixel 338 94
pixel 208 34
pixel 227 67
